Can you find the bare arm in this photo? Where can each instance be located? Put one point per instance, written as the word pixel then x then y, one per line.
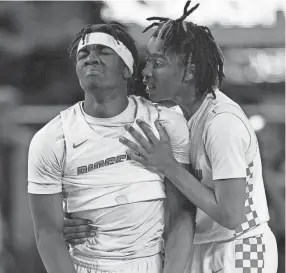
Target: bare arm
pixel 226 143
pixel 179 231
pixel 224 203
pixel 48 219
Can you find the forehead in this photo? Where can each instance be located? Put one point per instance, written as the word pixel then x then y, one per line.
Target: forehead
pixel 155 47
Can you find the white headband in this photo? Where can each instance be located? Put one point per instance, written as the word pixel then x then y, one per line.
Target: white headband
pixel 101 38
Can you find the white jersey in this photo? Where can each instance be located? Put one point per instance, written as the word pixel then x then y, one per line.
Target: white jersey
pixel 223 145
pixel 99 182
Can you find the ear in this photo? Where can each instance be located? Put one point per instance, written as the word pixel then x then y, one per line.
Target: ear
pixel 126 73
pixel 189 73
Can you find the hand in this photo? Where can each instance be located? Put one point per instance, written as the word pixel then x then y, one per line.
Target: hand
pixel 77 230
pixel 155 154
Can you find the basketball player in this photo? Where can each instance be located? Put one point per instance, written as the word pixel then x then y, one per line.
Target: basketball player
pixel 185 65
pixel 77 159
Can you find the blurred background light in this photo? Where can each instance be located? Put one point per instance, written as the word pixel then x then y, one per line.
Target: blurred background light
pixel 257 122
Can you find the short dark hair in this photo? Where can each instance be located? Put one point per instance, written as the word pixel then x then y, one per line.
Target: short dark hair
pixel 194 43
pixel 120 34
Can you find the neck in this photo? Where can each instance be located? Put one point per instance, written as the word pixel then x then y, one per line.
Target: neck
pixel 168 103
pixel 189 102
pixel 108 104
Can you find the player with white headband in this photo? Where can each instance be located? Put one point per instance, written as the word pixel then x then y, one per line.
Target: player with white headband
pixel 77 159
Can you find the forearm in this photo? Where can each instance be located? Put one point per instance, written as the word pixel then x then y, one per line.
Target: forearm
pixel 54 253
pixel 199 194
pixel 179 244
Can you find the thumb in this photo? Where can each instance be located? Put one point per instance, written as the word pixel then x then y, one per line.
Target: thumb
pixel 162 131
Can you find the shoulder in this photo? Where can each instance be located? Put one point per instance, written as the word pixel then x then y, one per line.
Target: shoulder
pixel 227 131
pixel 142 101
pixel 49 137
pixel 170 116
pixel 228 123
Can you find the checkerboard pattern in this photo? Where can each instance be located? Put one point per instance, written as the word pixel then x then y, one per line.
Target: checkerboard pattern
pixel 250 215
pixel 249 255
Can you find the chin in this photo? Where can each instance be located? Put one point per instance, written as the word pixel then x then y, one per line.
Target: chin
pixel 154 98
pixel 158 99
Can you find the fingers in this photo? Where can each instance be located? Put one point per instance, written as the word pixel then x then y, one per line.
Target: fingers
pixel 162 132
pixel 80 235
pixel 79 229
pixel 136 148
pixel 147 131
pixel 134 156
pixel 140 138
pixel 76 241
pixel 75 222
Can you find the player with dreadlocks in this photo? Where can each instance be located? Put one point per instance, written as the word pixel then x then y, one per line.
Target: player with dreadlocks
pixel 185 68
pixel 77 159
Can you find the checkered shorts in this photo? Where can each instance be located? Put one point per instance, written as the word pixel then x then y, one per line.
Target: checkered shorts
pixel 249 255
pixel 251 219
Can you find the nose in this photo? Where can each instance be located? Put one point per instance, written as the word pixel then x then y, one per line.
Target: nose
pixel 93 58
pixel 147 71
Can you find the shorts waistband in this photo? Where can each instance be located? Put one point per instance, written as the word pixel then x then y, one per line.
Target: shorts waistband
pixel 106 264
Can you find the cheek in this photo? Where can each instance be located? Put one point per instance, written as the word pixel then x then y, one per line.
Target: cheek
pixel 164 80
pixel 78 69
pixel 113 64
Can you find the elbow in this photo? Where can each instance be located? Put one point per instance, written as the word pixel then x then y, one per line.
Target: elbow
pixel 231 224
pixel 232 220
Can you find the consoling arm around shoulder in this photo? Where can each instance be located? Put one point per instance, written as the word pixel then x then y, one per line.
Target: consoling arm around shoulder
pixel 179 231
pixel 48 218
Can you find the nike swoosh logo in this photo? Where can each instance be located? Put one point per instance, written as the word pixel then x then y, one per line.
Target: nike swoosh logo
pixel 76 146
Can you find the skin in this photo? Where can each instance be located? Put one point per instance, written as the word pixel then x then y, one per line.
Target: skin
pixel 103 76
pixel 170 83
pixel 224 203
pixel 95 64
pixel 158 73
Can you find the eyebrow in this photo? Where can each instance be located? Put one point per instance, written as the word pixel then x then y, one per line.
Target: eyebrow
pixel 155 55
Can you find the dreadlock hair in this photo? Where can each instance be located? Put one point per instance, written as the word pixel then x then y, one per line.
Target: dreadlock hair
pixel 193 43
pixel 119 34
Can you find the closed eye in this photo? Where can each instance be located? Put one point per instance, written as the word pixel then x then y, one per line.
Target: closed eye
pixel 82 53
pixel 105 50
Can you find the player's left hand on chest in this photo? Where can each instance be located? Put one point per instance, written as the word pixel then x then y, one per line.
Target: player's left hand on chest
pixel 155 154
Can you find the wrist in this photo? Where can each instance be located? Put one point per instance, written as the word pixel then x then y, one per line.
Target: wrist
pixel 171 169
